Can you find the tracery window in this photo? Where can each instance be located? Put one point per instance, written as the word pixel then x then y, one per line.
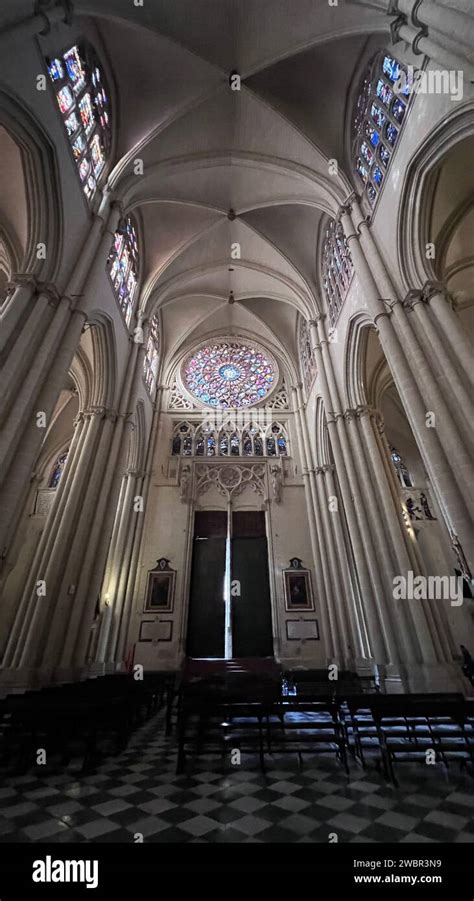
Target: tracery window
pixel 123 266
pixel 83 101
pixel 57 470
pixel 152 355
pixel 378 117
pixel 337 269
pixel 250 441
pixel 401 469
pixel 229 374
pixel 307 359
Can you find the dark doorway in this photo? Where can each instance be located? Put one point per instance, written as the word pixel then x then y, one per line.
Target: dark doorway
pixel 206 619
pixel 250 608
pixel 251 611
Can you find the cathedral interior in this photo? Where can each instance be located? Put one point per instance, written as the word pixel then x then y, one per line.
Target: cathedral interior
pixel 236 294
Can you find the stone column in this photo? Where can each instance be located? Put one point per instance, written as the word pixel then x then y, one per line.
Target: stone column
pixel 418 612
pixel 378 628
pixel 441 474
pixel 31 646
pixel 27 441
pixel 402 645
pixel 358 643
pixel 136 551
pixel 49 364
pixel 117 535
pixel 320 565
pixel 449 326
pixel 101 526
pixel 345 641
pixel 449 377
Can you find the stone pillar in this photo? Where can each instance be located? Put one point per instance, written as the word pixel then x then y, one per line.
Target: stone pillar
pixel 378 629
pixel 345 641
pixel 440 471
pixel 403 645
pixel 451 31
pixel 121 514
pixel 416 611
pixel 27 442
pixel 449 326
pixel 320 563
pixel 136 551
pixel 50 359
pixel 32 646
pixel 360 648
pixel 449 377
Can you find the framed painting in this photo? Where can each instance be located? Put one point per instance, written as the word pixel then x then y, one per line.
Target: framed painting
pixel 298 592
pixel 160 588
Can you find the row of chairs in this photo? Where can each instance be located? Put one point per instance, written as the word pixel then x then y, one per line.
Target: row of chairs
pixel 249 712
pixel 82 719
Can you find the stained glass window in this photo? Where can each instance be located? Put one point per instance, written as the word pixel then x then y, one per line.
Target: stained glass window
pixel 57 471
pixel 152 355
pixel 307 359
pixel 83 102
pixel 337 269
pixel 229 374
pixel 123 266
pixel 379 111
pixel 250 441
pixel 401 468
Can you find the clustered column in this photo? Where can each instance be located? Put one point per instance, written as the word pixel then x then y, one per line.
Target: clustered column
pixel 441 446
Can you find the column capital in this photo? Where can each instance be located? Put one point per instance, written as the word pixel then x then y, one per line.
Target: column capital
pixel 350 414
pixel 414 296
pixel 347 206
pixel 432 288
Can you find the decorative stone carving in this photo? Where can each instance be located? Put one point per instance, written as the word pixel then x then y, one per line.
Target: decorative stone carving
pixel 230 479
pixel 279 401
pixel 177 400
pixel 275 471
pixel 185 484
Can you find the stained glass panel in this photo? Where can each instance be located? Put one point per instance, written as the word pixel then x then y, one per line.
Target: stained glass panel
pixel 75 69
pixel 65 99
pixel 55 69
pixel 72 124
pixel 229 374
pixel 57 471
pixel 378 115
pixel 81 97
pixel 123 263
pixel 87 113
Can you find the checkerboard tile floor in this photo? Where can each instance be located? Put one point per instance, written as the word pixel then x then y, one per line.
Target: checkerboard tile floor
pixel 139 792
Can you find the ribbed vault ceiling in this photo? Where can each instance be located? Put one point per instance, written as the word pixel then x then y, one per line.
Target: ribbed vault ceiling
pixel 262 151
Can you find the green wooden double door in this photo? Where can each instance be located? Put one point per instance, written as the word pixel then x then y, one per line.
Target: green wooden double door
pixel 251 616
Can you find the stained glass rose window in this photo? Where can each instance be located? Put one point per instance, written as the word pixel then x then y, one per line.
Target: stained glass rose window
pixel 229 374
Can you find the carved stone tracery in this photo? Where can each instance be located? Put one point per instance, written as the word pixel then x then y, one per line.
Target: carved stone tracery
pixel 230 479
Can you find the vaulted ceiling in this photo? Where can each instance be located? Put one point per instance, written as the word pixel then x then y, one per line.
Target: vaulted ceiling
pixel 223 168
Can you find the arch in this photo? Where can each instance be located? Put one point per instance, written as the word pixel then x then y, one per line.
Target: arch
pixel 416 190
pixel 354 360
pixel 104 387
pixel 42 184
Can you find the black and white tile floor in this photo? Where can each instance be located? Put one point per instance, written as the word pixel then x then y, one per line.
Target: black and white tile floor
pixel 138 792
